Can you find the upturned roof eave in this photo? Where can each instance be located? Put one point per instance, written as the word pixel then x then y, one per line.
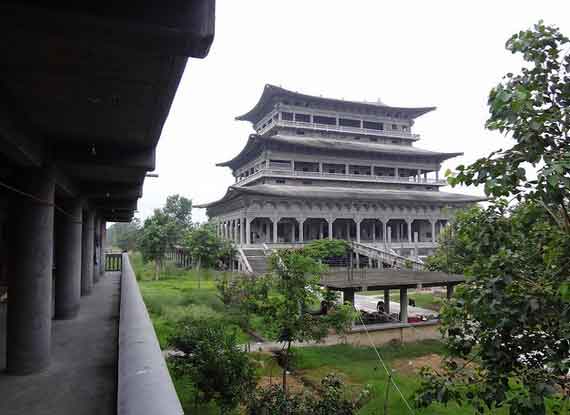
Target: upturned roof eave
pixel 271 90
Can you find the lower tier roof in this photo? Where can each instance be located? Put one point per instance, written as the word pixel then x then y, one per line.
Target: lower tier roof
pixel 344 193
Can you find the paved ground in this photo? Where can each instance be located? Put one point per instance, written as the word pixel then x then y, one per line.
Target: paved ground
pixel 368 303
pixel 81 379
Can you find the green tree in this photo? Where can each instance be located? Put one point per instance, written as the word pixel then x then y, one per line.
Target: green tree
pixel 285 304
pixel 157 236
pixel 213 359
pixel 124 235
pixel 512 316
pixel 206 247
pixel 179 208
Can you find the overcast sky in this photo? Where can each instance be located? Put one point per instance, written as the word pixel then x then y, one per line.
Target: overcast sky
pixel 447 54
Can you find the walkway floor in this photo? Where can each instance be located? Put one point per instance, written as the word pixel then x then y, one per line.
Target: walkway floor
pixel 81 379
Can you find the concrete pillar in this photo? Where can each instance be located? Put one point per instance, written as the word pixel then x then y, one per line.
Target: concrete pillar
pixel 389 237
pixel 301 224
pixel 387 301
pixel 68 261
pixel 449 291
pixel 30 272
pixel 433 239
pixel 358 222
pixel 409 223
pixel 321 230
pixel 384 232
pixel 275 224
pixel 404 305
pixel 292 232
pixel 348 295
pixel 348 230
pixel 87 242
pixel 374 231
pixel 330 222
pixel 248 231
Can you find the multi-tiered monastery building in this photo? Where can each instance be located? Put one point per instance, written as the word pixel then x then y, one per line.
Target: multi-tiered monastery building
pixel 329 168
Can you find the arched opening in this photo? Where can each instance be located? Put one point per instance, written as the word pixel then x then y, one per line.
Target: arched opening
pixel 287 230
pixel 397 230
pixel 371 230
pixel 421 230
pixel 344 229
pixel 315 228
pixel 261 230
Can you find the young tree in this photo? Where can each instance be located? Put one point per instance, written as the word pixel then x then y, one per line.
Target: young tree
pixel 179 208
pixel 286 308
pixel 513 315
pixel 124 235
pixel 213 359
pixel 205 246
pixel 157 235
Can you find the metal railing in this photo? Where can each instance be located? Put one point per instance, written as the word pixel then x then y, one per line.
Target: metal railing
pixel 397 261
pixel 338 128
pixel 113 262
pixel 144 384
pixel 288 173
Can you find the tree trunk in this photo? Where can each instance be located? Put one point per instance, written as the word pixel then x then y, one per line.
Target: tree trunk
pixel 286 367
pixel 156 268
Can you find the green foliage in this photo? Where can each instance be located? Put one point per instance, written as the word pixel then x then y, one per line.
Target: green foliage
pixel 332 400
pixel 285 297
pixel 219 369
pixel 179 209
pixel 158 235
pixel 513 314
pixel 207 248
pixel 124 235
pixel 532 108
pixel 323 249
pixel 510 315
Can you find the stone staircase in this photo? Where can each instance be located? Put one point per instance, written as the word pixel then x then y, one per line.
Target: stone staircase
pixel 257 260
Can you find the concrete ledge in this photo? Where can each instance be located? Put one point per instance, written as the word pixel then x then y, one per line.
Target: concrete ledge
pixel 401 332
pixel 144 383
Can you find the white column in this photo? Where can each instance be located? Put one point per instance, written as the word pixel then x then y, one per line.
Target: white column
pixel 292 232
pixel 374 231
pixel 248 231
pixel 301 224
pixel 409 222
pixel 358 222
pixel 240 232
pixel 321 230
pixel 433 230
pixel 275 223
pixel 384 231
pixel 330 221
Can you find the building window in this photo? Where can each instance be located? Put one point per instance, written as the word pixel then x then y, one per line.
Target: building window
pixel 395 141
pixel 371 125
pixel 287 116
pixel 374 139
pixel 299 132
pixel 319 119
pixel 404 128
pixel 357 138
pixel 302 117
pixel 280 181
pixel 307 182
pixel 394 126
pixel 347 122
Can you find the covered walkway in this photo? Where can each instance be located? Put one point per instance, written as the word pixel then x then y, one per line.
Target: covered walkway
pixel 82 376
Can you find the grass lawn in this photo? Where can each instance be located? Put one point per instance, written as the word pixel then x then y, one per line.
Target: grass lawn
pixel 179 294
pixel 359 366
pixel 423 299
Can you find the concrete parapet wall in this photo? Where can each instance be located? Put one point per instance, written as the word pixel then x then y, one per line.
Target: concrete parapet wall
pixel 144 383
pixel 385 333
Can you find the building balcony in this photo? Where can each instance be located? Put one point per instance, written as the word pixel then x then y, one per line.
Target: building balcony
pixel 271 123
pixel 290 174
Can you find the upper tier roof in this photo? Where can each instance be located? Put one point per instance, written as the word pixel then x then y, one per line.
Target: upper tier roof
pixel 344 193
pixel 273 94
pixel 255 143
